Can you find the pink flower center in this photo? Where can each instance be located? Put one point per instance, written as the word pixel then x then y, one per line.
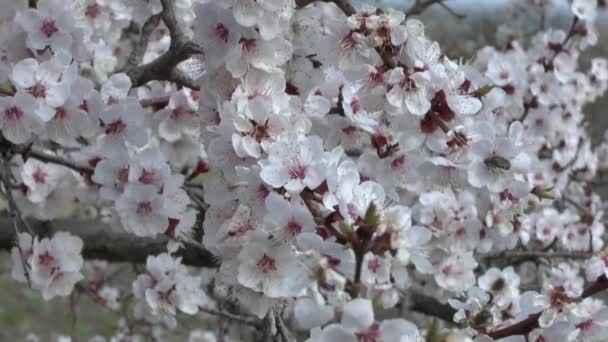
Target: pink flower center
pixel 398 162
pixel 350 130
pixel 262 191
pixel 373 265
pixel 61 113
pixel 407 83
pixel 144 208
pixel 117 127
pixel 222 33
pixel 38 90
pixel 45 259
pixel 267 264
pixel 39 176
pixel 293 227
pixel 371 335
pixel 49 28
pixel 112 100
pixel 92 11
pixel 558 297
pixel 585 325
pixel 355 105
pixel 13 113
pixel 447 270
pixel 375 77
pixel 247 45
pixel 298 171
pixel 165 296
pixel 437 224
pixel 178 113
pixel 147 177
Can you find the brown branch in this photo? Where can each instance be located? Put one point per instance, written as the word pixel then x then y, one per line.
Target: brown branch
pixel 182 79
pixel 451 11
pixel 538 254
pixel 430 306
pixel 49 158
pixel 104 242
pixel 344 5
pixel 420 6
pixel 525 326
pixel 163 68
pixel 137 54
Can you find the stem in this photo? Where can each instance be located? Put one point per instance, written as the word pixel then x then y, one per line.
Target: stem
pixel 569 35
pixel 15 217
pixel 48 158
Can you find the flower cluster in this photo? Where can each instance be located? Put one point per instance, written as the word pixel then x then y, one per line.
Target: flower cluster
pixel 51 265
pixel 337 163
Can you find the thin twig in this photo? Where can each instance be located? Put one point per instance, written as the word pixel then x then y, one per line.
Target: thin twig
pixel 569 35
pixel 538 254
pixel 420 6
pixel 15 217
pixel 49 158
pixel 451 11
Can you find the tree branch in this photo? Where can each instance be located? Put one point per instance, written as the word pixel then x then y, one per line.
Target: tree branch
pixel 137 54
pixel 430 306
pixel 344 5
pixel 49 158
pixel 106 243
pixel 525 326
pixel 538 254
pixel 420 6
pixel 163 68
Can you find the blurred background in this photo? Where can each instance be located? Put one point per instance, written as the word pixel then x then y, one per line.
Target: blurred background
pixel 461 28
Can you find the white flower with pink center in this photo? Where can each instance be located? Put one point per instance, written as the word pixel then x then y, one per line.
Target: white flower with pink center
pixel 271 267
pixel 294 165
pixel 141 210
pixel 18 118
pixel 51 24
pixel 53 264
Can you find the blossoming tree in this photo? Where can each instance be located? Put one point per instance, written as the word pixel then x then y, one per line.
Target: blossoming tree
pixel 294 170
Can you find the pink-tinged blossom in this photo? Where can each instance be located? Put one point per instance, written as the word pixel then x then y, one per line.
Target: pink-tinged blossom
pixel 141 210
pixel 54 264
pixel 294 166
pixel 18 117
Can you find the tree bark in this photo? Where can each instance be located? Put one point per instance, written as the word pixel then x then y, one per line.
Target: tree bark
pixel 106 243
